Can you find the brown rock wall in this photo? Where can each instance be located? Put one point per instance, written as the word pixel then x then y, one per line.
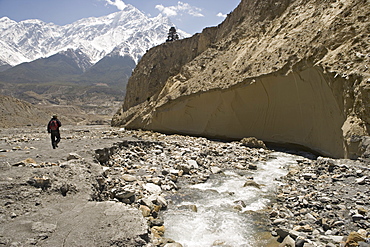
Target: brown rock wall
pixel 289 71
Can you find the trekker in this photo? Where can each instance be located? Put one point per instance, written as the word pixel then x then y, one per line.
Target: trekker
pixel 53 129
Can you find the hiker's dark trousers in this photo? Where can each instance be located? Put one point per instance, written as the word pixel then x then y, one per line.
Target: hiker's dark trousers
pixel 55 138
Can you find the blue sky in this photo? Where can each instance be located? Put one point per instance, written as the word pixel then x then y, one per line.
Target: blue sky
pixel 189 15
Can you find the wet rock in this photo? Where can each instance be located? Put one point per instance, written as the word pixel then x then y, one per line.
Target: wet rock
pixel 162 202
pixel 251 183
pixel 158 231
pixel 288 242
pixel 252 167
pixel 282 233
pixel 155 221
pixel 173 245
pixel 190 207
pixel 300 242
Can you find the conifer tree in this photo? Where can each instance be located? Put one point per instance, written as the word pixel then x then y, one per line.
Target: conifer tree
pixel 172 35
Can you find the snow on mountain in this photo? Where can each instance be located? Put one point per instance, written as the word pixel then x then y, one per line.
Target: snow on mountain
pixel 128 32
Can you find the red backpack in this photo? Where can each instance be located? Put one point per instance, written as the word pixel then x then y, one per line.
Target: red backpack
pixel 54 125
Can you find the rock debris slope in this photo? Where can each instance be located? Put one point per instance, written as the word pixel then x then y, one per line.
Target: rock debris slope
pixel 290 71
pixel 15 112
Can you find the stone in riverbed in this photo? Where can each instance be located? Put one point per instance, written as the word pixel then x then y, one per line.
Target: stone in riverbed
pixel 357 217
pixel 215 169
pixel 173 245
pixel 144 210
pixel 252 167
pixel 251 183
pixel 129 178
pixel 191 207
pixel 124 195
pixel 362 211
pixel 279 221
pixel 300 242
pixel 158 231
pixel 193 164
pixel 253 142
pixel 309 176
pixel 288 242
pixel 162 202
pixel 282 233
pixel 153 188
pixel 305 228
pixel 362 180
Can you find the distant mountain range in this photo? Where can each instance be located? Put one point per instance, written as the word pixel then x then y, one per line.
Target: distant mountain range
pixel 35 51
pixel 98 52
pixel 130 31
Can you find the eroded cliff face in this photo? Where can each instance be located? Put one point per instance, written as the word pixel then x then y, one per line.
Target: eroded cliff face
pixel 287 72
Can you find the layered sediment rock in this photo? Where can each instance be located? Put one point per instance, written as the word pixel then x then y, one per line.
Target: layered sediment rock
pixel 285 72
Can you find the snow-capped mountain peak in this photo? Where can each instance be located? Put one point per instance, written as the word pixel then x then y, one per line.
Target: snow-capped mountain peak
pixel 129 31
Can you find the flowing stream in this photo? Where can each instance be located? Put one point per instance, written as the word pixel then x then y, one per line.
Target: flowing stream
pixel 221 212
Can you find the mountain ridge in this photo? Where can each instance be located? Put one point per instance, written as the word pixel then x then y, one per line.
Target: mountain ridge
pixel 29 40
pixel 293 72
pixel 84 65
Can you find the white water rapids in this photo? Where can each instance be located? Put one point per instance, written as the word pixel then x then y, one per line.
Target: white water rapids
pixel 217 222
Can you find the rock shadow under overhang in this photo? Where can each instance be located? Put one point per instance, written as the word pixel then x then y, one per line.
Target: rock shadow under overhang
pixel 304 107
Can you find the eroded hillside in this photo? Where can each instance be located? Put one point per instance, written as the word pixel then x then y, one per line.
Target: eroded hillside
pixel 17 113
pixel 285 72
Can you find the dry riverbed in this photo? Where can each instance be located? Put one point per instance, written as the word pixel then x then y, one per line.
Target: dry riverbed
pixel 106 186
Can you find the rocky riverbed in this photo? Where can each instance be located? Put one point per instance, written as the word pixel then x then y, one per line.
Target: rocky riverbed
pixel 109 187
pixel 322 202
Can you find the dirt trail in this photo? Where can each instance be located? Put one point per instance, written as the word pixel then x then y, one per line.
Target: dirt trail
pixel 18 144
pixel 46 199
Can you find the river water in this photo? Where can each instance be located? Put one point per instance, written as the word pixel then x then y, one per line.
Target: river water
pixel 221 212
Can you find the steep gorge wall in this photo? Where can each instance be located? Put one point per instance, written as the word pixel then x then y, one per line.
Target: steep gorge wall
pixel 299 108
pixel 287 72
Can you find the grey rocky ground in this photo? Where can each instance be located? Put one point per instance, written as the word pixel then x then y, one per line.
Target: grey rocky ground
pixel 108 187
pixel 322 202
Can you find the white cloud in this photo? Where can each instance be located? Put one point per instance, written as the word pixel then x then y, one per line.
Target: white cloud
pixel 118 3
pixel 167 11
pixel 180 9
pixel 222 15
